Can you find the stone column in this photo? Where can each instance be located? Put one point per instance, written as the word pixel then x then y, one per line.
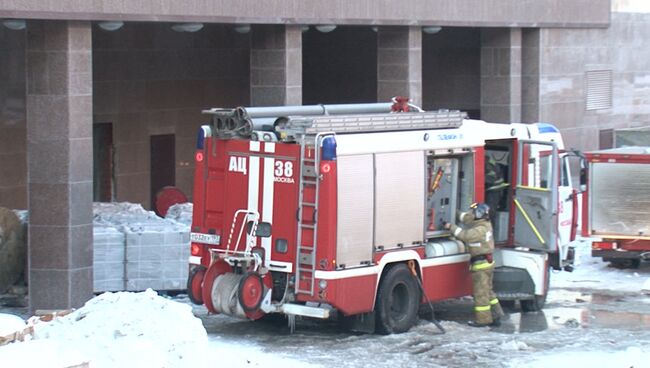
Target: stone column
pixel 60 159
pixel 399 63
pixel 530 75
pixel 501 75
pixel 276 65
pixel 13 147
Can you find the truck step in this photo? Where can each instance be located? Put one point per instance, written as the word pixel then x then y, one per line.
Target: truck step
pixel 515 296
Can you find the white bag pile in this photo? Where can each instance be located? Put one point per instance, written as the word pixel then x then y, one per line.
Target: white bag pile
pixel 134 249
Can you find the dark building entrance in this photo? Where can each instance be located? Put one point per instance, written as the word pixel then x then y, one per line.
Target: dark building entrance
pixel 163 164
pixel 103 162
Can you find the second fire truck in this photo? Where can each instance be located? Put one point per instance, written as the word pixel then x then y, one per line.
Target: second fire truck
pixel 307 210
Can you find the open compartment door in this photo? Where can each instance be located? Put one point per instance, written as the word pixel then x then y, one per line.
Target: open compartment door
pixel 536 195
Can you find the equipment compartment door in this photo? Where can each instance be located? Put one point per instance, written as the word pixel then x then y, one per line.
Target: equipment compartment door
pixel 536 196
pixel 355 219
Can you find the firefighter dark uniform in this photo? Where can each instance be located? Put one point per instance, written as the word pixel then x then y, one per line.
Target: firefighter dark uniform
pixel 478 237
pixel 494 184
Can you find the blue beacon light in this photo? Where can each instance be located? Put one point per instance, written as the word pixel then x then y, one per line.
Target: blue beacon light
pixel 200 139
pixel 329 148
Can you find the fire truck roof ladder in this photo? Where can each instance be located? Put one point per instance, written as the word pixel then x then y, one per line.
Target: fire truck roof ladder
pixel 243 121
pixel 294 126
pixel 306 252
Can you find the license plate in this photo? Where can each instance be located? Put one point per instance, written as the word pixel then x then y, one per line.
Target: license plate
pixel 205 238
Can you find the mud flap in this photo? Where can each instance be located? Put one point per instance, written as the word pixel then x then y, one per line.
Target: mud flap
pixel 512 283
pixel 520 274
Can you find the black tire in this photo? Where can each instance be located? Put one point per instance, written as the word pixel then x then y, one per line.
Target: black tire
pixel 537 303
pixel 507 304
pixel 192 285
pixel 623 263
pixel 398 300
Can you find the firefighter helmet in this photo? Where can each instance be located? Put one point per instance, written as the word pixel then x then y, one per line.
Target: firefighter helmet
pixel 481 211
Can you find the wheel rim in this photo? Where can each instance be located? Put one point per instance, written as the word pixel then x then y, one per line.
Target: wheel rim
pixel 399 301
pixel 251 292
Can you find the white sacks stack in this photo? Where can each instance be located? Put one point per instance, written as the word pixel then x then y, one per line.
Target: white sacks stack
pixel 135 249
pixel 108 259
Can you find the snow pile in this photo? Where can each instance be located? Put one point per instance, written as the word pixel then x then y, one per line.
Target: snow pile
pixel 181 212
pixel 10 324
pixel 116 330
pixel 631 357
pixel 133 218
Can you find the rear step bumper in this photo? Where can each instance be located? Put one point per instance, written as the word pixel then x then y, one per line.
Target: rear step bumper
pixel 618 254
pixel 298 310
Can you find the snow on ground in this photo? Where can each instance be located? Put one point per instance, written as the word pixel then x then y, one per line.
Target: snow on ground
pixel 634 357
pixel 593 273
pixel 224 353
pixel 130 330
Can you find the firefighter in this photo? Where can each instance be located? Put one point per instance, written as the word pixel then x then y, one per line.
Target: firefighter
pixel 494 184
pixel 477 235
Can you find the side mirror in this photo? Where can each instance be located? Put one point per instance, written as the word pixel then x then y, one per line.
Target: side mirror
pixel 263 229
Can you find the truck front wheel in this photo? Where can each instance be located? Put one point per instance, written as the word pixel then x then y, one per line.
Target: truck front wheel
pixel 538 301
pixel 398 300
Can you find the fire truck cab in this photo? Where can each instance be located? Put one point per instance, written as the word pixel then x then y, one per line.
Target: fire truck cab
pixel 307 210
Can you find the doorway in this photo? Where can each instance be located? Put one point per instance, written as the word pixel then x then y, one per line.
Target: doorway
pixel 103 162
pixel 163 164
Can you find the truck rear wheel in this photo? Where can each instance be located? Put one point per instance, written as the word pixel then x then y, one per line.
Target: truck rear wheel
pixel 623 263
pixel 194 284
pixel 398 300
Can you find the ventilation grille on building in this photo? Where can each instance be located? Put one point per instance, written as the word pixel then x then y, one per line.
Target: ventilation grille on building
pixel 599 89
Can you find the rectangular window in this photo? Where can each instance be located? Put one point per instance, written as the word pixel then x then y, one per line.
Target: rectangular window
pixel 606 139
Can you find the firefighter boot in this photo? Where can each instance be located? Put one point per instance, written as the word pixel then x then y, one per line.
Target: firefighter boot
pixel 476 324
pixel 497 311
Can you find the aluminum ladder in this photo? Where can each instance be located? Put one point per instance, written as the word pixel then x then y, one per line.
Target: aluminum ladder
pixel 309 178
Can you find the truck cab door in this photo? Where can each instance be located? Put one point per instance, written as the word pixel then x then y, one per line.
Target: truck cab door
pixel 536 196
pixel 572 166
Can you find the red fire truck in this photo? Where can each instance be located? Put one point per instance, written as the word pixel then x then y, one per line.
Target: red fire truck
pixel 617 205
pixel 307 210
